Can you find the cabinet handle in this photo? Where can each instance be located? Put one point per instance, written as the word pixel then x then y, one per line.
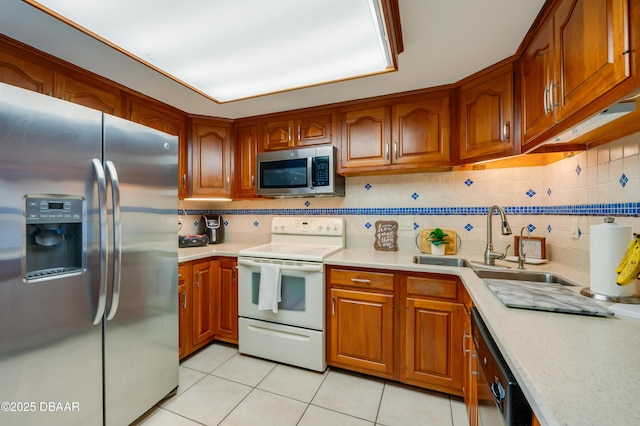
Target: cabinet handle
pixel 464 342
pixel 386 151
pixel 253 182
pixel 333 305
pixel 545 100
pixel 505 131
pixel 299 133
pixel 471 372
pixel 552 104
pixel 395 149
pixel 184 181
pixel 289 135
pixel 184 299
pixel 361 280
pixel 228 183
pixel 198 279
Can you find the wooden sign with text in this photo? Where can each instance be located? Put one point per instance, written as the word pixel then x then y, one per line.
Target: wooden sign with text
pixel 386 235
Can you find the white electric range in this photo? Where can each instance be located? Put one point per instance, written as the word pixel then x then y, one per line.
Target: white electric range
pixel 292 332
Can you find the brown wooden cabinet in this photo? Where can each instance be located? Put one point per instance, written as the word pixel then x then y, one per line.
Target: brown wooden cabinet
pixel 169 121
pixel 208 303
pixel 211 161
pixel 185 306
pixel 412 133
pixel 433 330
pixel 470 372
pixel 88 93
pixel 203 289
pixel 246 149
pixel 18 69
pixel 580 52
pixel 226 301
pixel 299 130
pixel 486 116
pixel 397 325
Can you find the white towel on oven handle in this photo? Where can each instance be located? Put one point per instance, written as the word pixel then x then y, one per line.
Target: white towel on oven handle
pixel 269 292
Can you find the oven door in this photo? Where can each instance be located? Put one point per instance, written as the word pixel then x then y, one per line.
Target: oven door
pixel 302 288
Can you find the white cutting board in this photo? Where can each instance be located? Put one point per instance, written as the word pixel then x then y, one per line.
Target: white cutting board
pixel 625 309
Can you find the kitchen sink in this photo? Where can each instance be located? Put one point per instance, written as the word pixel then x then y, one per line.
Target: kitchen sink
pixel 531 276
pixel 441 261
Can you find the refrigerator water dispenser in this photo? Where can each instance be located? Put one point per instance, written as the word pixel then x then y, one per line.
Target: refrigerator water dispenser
pixel 53 236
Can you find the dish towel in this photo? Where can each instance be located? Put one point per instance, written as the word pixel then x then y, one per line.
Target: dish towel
pixel 269 293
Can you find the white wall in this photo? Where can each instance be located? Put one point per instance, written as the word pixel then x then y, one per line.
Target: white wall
pixel 588 178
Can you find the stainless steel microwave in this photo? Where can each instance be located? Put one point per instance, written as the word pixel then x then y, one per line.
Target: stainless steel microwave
pixel 303 172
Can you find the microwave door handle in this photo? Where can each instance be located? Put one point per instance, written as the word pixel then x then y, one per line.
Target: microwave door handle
pixel 102 217
pixel 310 172
pixel 117 240
pixel 301 268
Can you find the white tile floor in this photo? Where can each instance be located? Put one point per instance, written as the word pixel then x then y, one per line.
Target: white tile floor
pixel 219 386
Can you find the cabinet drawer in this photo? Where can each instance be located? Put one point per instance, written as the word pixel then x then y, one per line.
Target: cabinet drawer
pixel 441 287
pixel 362 279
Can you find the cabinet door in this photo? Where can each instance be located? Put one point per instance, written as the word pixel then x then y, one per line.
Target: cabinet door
pixel 486 117
pixel 536 72
pixel 421 132
pixel 591 37
pixel 203 287
pixel 184 309
pixel 315 130
pixel 433 352
pixel 278 135
pixel 366 137
pixel 227 301
pixel 171 122
pixel 211 162
pixel 361 328
pixel 246 148
pixel 105 99
pixel 470 377
pixel 23 73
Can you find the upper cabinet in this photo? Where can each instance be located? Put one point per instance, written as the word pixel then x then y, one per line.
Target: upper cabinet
pixel 411 133
pixel 169 121
pixel 19 71
pixel 579 53
pixel 245 151
pixel 211 161
pixel 286 132
pixel 486 115
pixel 88 93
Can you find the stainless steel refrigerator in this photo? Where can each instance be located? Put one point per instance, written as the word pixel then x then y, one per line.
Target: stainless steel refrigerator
pixel 88 264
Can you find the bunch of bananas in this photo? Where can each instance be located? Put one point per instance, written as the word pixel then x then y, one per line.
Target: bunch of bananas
pixel 629 267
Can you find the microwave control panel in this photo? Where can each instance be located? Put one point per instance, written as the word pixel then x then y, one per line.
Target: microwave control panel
pixel 320 169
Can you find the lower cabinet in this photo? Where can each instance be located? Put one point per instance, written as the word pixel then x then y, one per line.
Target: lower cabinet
pixel 470 379
pixel 208 297
pixel 403 326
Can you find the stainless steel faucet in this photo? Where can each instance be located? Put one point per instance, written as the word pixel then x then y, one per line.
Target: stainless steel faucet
pixel 490 256
pixel 522 255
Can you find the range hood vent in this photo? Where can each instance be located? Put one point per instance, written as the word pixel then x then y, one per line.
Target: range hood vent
pixel 608 115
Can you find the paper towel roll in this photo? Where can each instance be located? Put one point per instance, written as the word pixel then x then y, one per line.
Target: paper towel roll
pixel 609 242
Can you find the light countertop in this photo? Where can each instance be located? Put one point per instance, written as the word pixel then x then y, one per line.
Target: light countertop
pixel 573 369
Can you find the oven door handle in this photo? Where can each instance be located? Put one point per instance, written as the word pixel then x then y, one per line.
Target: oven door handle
pixel 302 268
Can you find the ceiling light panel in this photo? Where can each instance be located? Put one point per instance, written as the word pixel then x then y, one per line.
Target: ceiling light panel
pixel 230 50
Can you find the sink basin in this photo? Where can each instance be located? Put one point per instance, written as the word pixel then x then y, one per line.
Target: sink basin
pixel 441 261
pixel 535 276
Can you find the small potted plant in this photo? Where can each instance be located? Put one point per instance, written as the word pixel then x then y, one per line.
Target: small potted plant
pixel 438 242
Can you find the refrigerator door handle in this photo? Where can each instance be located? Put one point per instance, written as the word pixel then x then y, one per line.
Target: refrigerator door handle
pixel 102 209
pixel 117 241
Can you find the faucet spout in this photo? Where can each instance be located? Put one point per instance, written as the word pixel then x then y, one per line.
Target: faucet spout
pixel 489 255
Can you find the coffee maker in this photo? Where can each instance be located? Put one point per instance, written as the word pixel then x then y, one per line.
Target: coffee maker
pixel 212 226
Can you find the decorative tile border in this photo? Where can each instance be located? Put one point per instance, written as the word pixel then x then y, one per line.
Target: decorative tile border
pixel 615 209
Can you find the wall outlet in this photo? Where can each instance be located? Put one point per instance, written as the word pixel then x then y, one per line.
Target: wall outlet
pixel 575 229
pixel 405 223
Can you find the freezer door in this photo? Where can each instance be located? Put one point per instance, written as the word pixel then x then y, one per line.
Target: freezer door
pixel 141 329
pixel 50 351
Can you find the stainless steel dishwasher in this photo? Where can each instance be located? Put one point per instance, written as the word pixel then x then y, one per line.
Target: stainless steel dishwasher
pixel 500 399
